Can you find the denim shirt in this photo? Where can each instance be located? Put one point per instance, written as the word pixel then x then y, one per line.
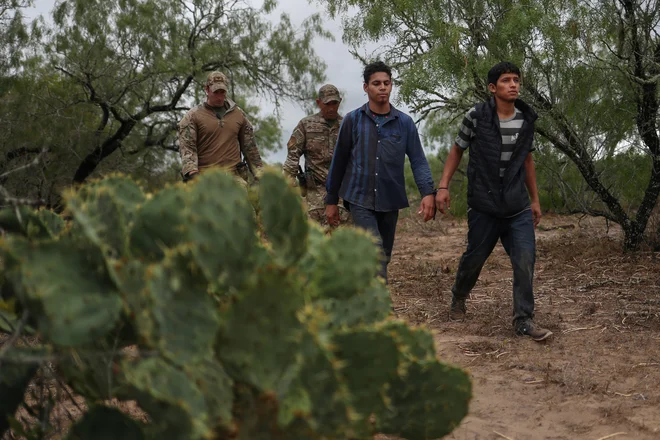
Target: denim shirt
pixel 367 165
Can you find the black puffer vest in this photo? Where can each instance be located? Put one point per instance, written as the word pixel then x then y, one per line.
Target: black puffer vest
pixel 488 193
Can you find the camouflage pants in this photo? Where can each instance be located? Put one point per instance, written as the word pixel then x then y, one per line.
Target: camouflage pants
pixel 315 200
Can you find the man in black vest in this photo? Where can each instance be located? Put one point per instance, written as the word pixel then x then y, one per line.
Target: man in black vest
pixel 501 181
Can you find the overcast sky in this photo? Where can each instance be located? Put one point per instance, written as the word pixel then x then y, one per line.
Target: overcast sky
pixel 343 70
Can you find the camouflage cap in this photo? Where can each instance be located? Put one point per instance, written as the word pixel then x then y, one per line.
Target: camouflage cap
pixel 329 93
pixel 216 81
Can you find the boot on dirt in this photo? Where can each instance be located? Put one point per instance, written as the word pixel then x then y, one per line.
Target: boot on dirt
pixel 526 327
pixel 457 310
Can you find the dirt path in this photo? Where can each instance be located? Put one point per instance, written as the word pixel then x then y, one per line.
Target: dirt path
pixel 598 376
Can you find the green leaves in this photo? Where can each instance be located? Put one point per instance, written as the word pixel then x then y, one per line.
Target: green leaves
pixel 585 68
pixel 119 75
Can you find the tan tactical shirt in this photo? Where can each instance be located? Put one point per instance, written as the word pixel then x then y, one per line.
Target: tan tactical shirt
pixel 315 138
pixel 207 141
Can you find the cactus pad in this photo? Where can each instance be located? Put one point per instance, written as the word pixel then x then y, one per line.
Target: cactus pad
pixel 260 336
pixel 347 263
pixel 285 222
pixel 429 401
pixel 182 318
pixel 160 223
pixel 221 228
pixel 70 288
pixel 166 391
pixel 101 219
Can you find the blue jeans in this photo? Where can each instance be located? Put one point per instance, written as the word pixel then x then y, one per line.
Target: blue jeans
pixel 518 239
pixel 382 225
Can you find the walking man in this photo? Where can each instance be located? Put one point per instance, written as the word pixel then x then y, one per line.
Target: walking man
pixel 215 133
pixel 501 181
pixel 367 167
pixel 314 138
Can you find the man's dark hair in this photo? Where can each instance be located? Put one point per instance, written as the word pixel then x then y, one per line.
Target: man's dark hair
pixel 500 69
pixel 375 67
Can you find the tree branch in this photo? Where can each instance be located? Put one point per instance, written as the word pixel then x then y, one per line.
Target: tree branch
pixel 19 152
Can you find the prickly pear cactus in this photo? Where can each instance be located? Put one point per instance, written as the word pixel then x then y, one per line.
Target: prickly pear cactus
pixel 33 224
pixel 220 318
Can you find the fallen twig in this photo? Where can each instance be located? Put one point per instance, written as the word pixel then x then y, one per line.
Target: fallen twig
pixel 646 364
pixel 612 435
pixel 571 330
pixel 502 435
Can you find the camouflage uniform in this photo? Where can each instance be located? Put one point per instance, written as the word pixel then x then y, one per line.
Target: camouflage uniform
pixel 315 137
pixel 216 137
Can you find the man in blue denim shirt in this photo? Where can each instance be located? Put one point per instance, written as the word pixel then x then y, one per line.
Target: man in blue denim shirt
pixel 367 165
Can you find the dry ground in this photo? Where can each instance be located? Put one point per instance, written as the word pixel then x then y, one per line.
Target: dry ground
pixel 597 378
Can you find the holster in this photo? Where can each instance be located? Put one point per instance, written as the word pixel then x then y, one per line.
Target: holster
pixel 242 170
pixel 301 177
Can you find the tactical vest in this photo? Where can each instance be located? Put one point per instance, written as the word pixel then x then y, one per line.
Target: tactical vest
pixel 487 192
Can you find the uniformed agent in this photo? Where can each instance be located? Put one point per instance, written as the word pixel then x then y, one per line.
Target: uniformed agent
pixel 217 133
pixel 314 138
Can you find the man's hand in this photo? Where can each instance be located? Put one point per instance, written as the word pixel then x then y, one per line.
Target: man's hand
pixel 332 215
pixel 427 208
pixel 442 200
pixel 536 213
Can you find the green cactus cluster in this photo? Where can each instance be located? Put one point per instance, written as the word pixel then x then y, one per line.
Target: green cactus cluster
pixel 224 313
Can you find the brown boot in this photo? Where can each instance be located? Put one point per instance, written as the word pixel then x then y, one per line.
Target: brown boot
pixel 457 310
pixel 526 327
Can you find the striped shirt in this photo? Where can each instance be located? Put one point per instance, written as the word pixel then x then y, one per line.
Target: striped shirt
pixel 369 158
pixel 509 128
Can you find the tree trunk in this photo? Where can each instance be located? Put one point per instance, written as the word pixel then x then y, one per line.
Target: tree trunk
pixel 93 159
pixel 634 234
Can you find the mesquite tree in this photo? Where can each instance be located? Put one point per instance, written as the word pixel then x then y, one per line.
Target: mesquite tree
pixel 590 68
